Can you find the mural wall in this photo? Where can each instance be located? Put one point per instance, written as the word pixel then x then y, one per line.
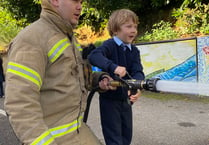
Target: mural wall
pixel 185 60
pixel 170 60
pixel 203 59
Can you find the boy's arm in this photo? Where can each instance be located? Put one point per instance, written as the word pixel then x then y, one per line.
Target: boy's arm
pixel 99 58
pixel 137 68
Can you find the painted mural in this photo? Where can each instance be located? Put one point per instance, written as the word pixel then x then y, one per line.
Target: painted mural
pixel 170 60
pixel 203 59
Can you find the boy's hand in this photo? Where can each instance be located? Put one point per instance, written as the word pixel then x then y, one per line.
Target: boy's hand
pixel 134 98
pixel 121 71
pixel 104 83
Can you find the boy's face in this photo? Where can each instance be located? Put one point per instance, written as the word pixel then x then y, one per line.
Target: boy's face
pixel 127 32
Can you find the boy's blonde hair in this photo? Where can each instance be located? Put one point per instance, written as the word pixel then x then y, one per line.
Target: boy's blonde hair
pixel 119 17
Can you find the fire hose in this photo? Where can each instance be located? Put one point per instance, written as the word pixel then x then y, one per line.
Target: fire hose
pixel 131 84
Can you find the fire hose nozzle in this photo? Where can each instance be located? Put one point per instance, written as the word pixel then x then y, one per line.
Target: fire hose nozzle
pixel 149 84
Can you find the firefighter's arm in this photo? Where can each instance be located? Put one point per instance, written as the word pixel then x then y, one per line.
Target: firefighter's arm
pixel 24 79
pixel 98 81
pixel 101 81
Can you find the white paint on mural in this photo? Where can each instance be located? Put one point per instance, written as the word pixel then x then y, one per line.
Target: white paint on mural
pixel 165 55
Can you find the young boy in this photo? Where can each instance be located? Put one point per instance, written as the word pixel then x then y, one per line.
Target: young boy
pixel 118 56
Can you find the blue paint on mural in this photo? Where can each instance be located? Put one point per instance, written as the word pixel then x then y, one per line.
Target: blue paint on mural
pixel 185 71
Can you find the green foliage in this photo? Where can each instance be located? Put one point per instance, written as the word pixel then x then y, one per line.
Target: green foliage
pixel 9 27
pixel 189 22
pixel 141 7
pixel 160 31
pixel 98 43
pixel 190 3
pixel 95 12
pixel 193 20
pixel 191 17
pixel 28 9
pixel 107 6
pixel 37 1
pixel 90 16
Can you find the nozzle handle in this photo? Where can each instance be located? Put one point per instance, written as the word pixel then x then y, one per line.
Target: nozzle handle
pixel 115 83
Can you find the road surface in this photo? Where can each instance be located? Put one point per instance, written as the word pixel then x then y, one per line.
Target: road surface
pixel 156 122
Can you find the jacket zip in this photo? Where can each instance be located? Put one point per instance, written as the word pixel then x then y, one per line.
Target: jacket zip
pixel 74 53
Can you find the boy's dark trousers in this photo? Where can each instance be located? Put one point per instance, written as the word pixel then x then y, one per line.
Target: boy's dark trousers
pixel 116 120
pixel 1 90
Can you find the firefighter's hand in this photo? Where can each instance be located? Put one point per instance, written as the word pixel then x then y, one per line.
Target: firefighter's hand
pixel 104 83
pixel 134 98
pixel 121 71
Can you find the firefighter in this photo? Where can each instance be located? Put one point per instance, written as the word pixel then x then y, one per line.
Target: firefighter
pixel 45 86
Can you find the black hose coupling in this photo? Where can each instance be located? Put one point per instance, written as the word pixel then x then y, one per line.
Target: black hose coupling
pixel 150 84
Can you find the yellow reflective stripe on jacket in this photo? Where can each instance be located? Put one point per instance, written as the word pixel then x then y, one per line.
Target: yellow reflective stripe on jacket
pixel 48 136
pixel 57 49
pixel 78 46
pixel 45 139
pixel 25 72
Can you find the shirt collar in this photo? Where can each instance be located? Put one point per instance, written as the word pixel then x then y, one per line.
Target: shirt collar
pixel 119 42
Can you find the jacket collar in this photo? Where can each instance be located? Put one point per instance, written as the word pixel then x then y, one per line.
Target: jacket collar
pixel 52 16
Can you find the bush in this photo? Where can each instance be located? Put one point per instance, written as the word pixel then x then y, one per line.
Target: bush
pixel 23 9
pixel 193 20
pixel 86 35
pixel 160 31
pixel 9 27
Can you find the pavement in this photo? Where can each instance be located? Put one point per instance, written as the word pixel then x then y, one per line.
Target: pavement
pixel 156 122
pixel 7 136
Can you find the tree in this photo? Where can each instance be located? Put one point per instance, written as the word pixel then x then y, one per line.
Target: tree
pixel 27 9
pixel 145 9
pixel 96 12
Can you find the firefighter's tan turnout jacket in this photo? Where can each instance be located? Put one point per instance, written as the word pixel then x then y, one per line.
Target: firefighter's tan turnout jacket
pixel 45 91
